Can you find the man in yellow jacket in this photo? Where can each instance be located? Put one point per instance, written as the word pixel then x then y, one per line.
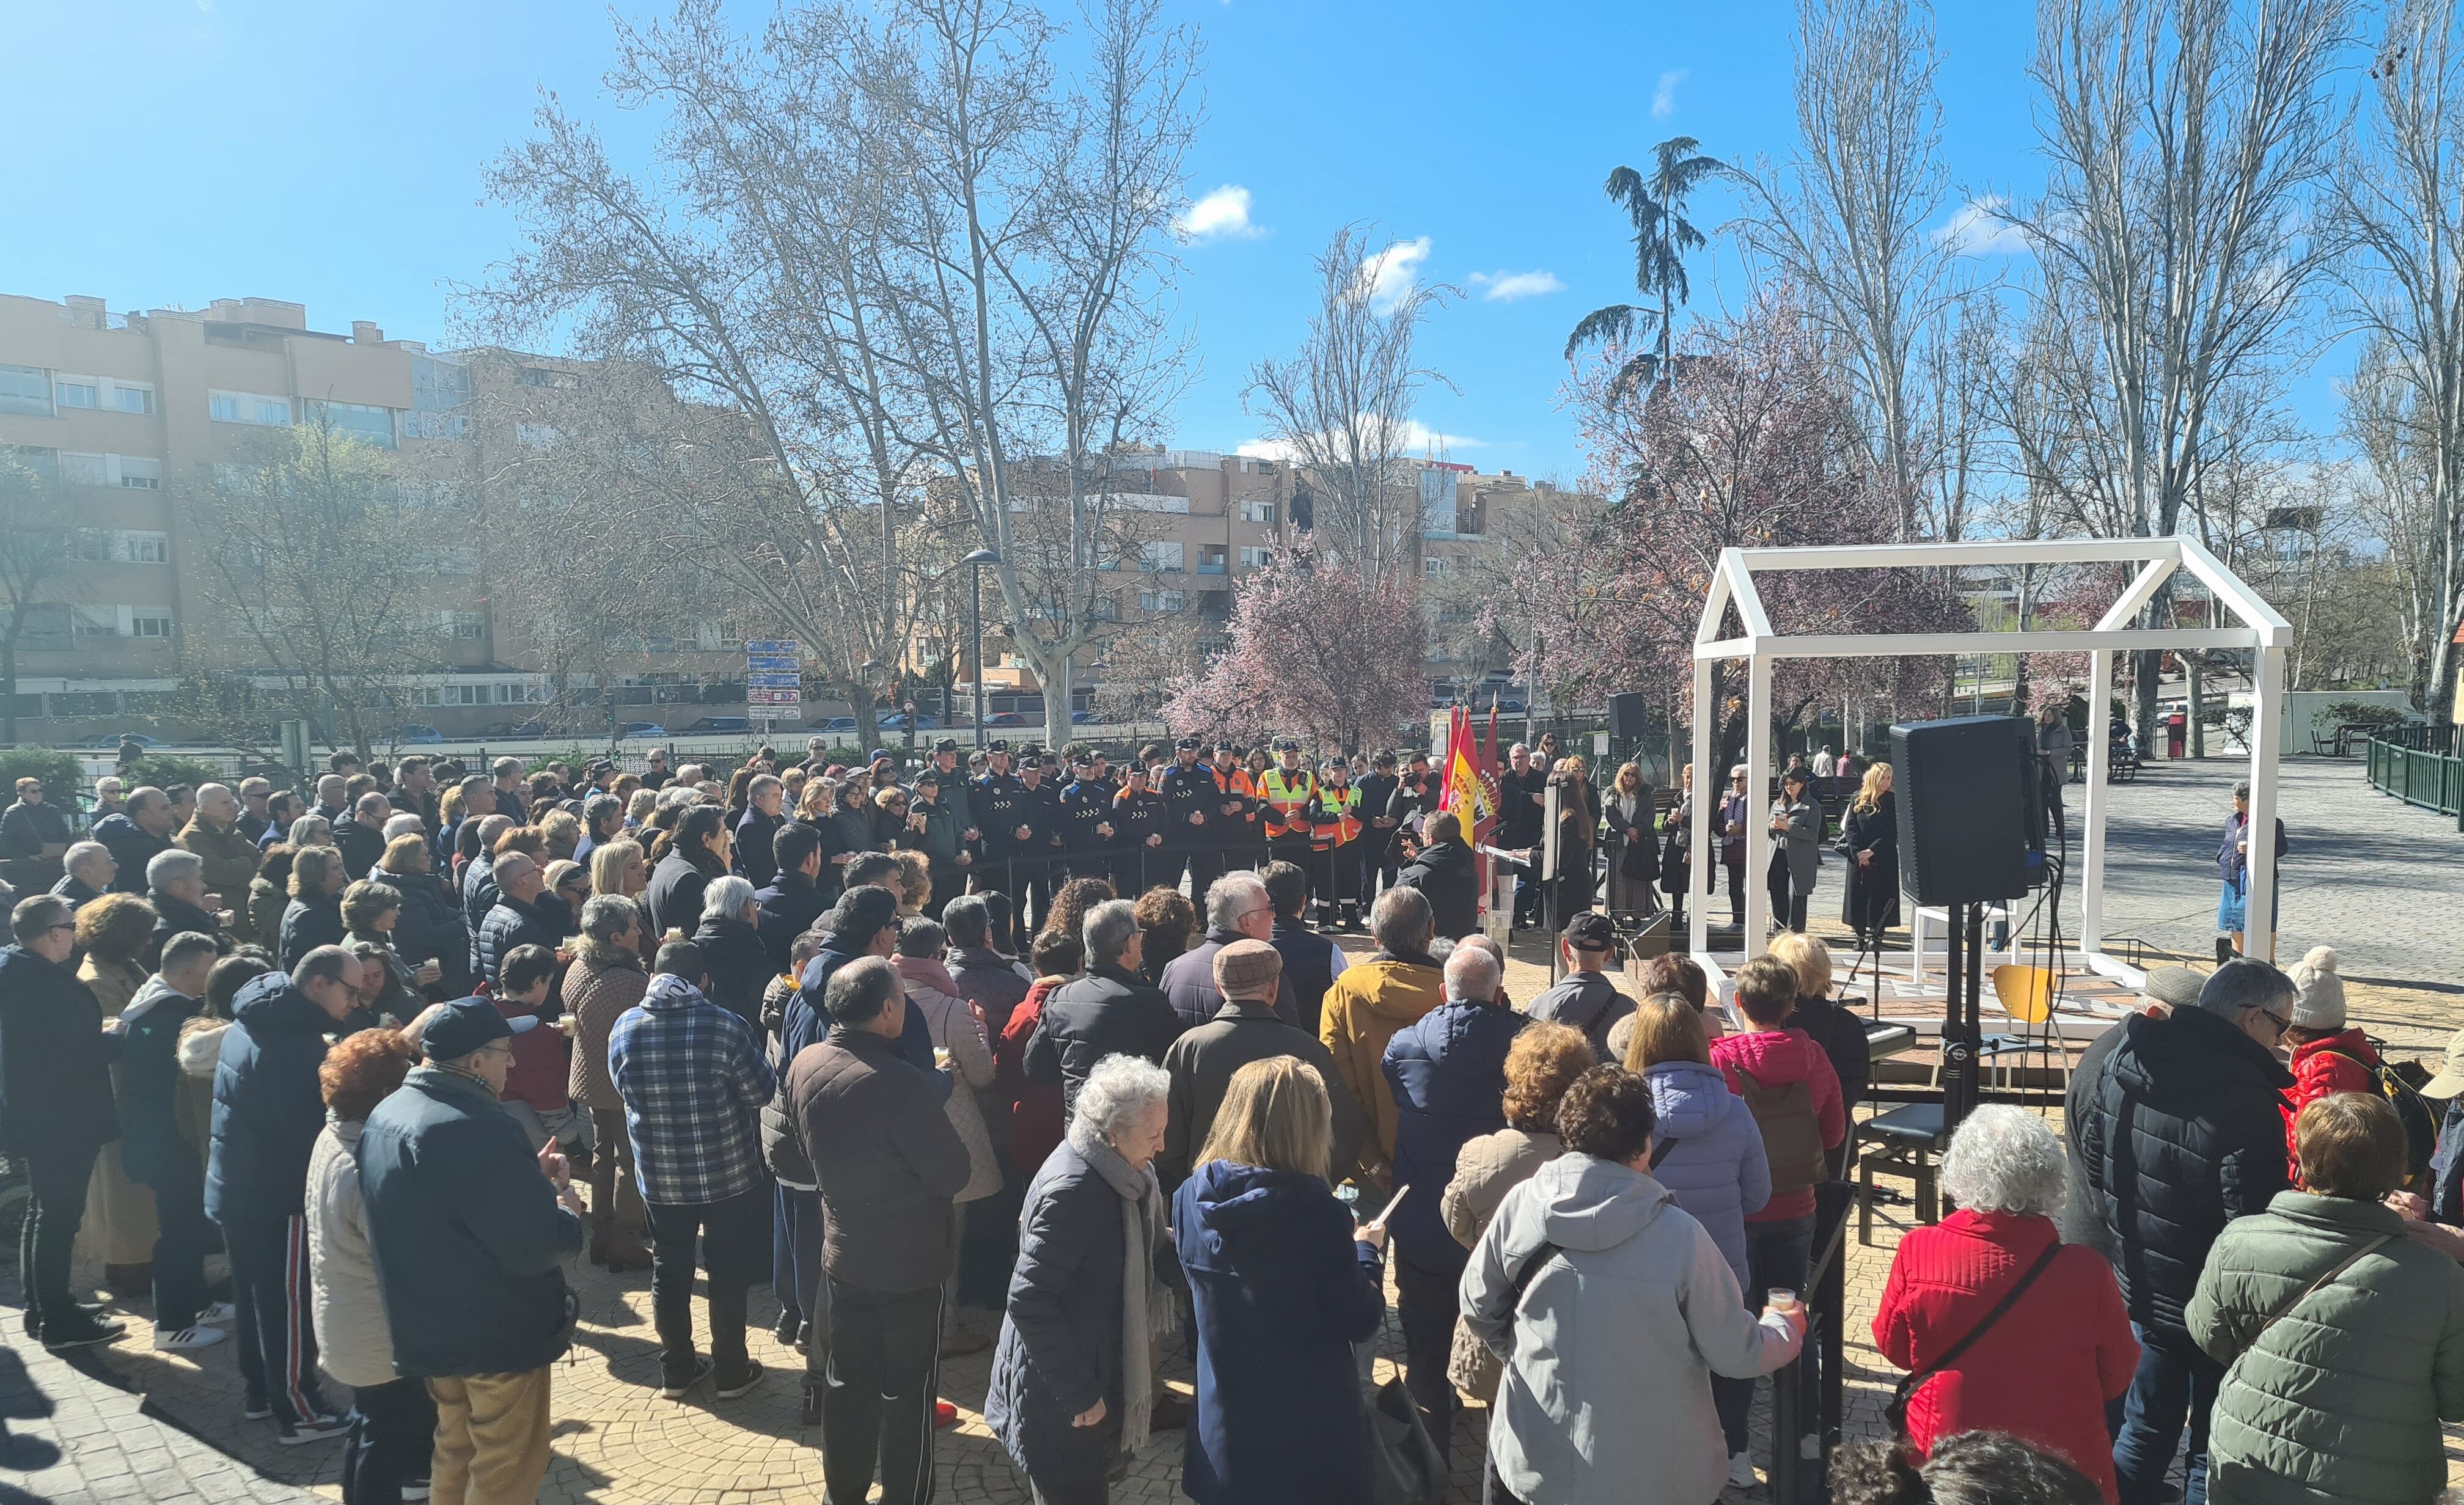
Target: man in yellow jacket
pixel 1374 998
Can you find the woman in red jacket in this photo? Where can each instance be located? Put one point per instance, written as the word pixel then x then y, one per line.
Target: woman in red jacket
pixel 1037 1118
pixel 2044 1370
pixel 2326 1057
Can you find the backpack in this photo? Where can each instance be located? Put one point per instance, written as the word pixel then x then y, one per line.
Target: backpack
pixel 2412 1110
pixel 1791 1135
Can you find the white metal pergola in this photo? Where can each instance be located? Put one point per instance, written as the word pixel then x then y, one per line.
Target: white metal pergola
pixel 1732 584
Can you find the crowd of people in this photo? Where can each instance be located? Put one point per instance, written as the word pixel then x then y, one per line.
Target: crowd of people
pixel 959 1060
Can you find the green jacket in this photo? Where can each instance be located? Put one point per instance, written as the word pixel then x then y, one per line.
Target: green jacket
pixel 2342 1399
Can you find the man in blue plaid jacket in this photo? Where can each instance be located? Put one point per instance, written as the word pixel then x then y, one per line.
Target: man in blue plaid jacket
pixel 693 1078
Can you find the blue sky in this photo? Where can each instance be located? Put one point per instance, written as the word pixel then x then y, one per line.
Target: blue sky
pixel 167 152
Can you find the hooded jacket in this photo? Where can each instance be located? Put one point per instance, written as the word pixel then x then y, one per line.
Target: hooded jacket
pixel 1714 1165
pixel 2344 1061
pixel 268 1105
pixel 1363 1010
pixel 151 1145
pixel 474 1238
pixel 2343 1400
pixel 1446 1072
pixel 1776 1059
pixel 1108 1011
pixel 1606 1395
pixel 1448 876
pixel 55 1061
pixel 1282 1292
pixel 2187 1136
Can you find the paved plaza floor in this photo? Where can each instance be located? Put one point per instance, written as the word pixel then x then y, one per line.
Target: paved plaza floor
pixel 2382 882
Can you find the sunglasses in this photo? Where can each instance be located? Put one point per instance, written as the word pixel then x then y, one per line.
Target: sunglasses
pixel 2280 1022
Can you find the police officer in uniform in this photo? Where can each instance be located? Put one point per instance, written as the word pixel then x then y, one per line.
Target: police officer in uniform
pixel 1088 831
pixel 957 792
pixel 1376 792
pixel 1290 791
pixel 993 800
pixel 1194 802
pixel 1038 837
pixel 1140 816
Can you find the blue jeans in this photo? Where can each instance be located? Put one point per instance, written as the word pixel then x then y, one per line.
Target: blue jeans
pixel 2175 1383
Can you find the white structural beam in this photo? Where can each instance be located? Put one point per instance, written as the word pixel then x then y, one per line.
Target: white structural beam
pixel 2143 590
pixel 2255 613
pixel 1703 810
pixel 1898 644
pixel 2099 732
pixel 1715 601
pixel 1749 600
pixel 1758 777
pixel 1961 556
pixel 2266 733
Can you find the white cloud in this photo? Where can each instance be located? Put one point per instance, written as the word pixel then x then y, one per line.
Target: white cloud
pixel 1977 229
pixel 1389 275
pixel 1663 97
pixel 1412 440
pixel 1505 286
pixel 1220 215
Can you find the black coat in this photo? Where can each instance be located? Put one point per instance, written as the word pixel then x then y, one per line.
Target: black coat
pixel 431 929
pixel 132 846
pixel 674 895
pixel 789 906
pixel 1106 1012
pixel 513 924
pixel 2187 1136
pixel 756 855
pixel 1871 899
pixel 1061 1338
pixel 362 847
pixel 171 916
pixel 54 1062
pixel 739 967
pixel 1447 874
pixel 1202 1064
pixel 308 924
pixel 267 1104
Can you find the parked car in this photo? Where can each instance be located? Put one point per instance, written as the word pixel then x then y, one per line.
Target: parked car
pixel 415 734
pixel 1082 718
pixel 896 721
pixel 715 723
pixel 837 724
pixel 640 729
pixel 1004 718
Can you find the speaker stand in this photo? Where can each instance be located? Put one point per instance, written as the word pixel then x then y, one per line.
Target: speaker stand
pixel 1962 1031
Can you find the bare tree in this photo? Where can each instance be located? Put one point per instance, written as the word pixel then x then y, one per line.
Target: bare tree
pixel 1342 407
pixel 38 533
pixel 1846 217
pixel 2186 142
pixel 2400 191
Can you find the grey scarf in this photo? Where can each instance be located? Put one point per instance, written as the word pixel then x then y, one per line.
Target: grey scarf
pixel 1148 1312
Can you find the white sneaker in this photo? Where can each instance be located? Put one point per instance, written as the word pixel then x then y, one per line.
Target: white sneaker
pixel 1741 1470
pixel 219 1313
pixel 186 1340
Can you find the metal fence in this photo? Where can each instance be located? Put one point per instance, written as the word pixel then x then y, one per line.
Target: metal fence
pixel 2417 776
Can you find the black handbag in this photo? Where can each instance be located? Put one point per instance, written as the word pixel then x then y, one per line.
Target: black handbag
pixel 1404 1465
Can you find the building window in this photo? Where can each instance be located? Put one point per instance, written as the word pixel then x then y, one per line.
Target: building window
pixel 223 408
pixel 44 464
pixel 434 426
pixel 148 548
pixel 1211 560
pixel 249 407
pixel 1262 513
pixel 272 412
pixel 74 392
pixel 129 398
pixel 1437 566
pixel 1160 559
pixel 26 390
pixel 465 626
pixel 372 425
pixel 84 469
pixel 149 625
pixel 1254 556
pixel 139 472
pixel 1159 600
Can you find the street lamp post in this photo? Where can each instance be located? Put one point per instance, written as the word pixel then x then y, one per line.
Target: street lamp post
pixel 975 621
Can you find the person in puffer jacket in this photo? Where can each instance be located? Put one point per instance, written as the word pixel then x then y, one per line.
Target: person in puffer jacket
pixel 1710 1157
pixel 2340 1339
pixel 1446 1072
pixel 393 1420
pixel 1627 1298
pixel 2326 1055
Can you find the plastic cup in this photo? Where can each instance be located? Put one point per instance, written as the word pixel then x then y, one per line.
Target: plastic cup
pixel 1778 1299
pixel 567 1021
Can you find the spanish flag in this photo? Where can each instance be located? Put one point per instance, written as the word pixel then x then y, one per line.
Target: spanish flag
pixel 1470 792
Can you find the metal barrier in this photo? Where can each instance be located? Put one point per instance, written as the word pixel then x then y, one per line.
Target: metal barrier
pixel 2417 776
pixel 1825 1300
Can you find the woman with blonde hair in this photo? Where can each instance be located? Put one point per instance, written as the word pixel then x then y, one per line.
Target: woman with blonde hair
pixel 915 876
pixel 560 833
pixel 1544 1060
pixel 430 927
pixel 1869 831
pixel 1634 846
pixel 1282 1285
pixel 617 867
pixel 315 916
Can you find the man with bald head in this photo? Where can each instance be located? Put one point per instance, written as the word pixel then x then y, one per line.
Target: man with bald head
pixel 214 835
pixel 136 834
pixel 362 837
pixel 519 918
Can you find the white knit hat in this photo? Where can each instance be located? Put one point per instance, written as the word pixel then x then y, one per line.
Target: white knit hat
pixel 2321 1005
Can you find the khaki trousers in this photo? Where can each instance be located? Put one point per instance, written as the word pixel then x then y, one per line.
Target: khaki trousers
pixel 491 1438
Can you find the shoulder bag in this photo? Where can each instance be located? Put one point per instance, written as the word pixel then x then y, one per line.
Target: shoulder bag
pixel 1896 1412
pixel 2307 1292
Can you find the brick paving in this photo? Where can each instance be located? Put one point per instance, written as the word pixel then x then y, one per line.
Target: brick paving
pixel 2380 881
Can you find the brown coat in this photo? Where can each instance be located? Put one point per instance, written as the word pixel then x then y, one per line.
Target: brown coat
pixel 603 983
pixel 231 858
pixel 1368 1003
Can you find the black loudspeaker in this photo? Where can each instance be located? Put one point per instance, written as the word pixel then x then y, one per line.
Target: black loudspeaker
pixel 1965 787
pixel 1625 715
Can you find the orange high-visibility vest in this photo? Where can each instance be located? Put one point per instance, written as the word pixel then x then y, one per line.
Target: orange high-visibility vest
pixel 1285 796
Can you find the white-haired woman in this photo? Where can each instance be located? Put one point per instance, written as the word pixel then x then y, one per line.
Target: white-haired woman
pixel 731 946
pixel 1073 1380
pixel 2044 1369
